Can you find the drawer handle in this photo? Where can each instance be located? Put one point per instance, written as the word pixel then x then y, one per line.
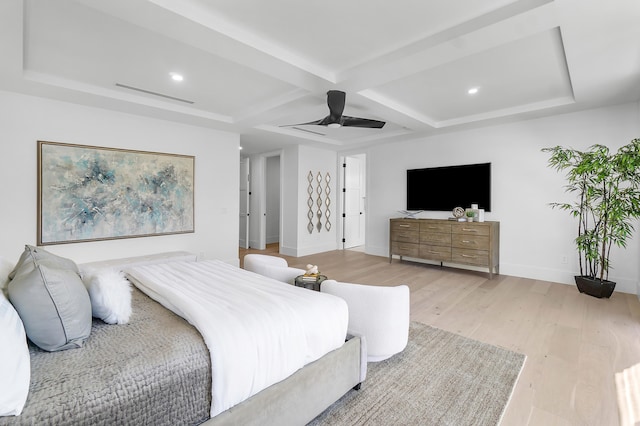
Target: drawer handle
pixel 468 255
pixel 469 230
pixel 403 226
pixel 466 241
pixel 435 252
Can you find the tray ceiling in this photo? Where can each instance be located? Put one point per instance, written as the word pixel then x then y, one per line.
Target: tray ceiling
pixel 255 67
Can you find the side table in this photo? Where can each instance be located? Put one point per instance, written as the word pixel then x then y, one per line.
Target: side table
pixel 311 284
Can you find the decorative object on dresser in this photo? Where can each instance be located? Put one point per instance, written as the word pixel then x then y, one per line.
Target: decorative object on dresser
pixel 458 214
pixel 440 240
pixel 470 215
pixel 607 189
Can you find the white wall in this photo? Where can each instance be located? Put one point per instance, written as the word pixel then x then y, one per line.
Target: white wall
pixel 26 119
pixel 290 199
pixel 534 238
pixel 297 164
pixel 273 199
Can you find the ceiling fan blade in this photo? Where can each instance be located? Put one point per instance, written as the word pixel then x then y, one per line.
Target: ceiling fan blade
pixel 335 101
pixel 347 121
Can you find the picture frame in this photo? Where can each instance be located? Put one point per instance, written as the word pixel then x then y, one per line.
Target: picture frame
pixel 91 193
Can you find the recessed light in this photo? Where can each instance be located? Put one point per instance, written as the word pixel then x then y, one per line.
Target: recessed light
pixel 472 91
pixel 240 148
pixel 176 77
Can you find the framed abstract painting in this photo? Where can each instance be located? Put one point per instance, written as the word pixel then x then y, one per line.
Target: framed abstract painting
pixel 89 193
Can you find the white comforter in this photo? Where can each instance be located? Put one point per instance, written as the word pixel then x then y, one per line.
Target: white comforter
pixel 258 330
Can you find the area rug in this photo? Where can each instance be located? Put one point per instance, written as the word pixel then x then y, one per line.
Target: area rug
pixel 440 378
pixel 628 392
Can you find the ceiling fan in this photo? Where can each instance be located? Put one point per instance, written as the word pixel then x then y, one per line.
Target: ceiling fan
pixel 335 119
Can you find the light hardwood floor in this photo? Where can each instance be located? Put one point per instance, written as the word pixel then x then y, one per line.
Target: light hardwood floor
pixel 574 343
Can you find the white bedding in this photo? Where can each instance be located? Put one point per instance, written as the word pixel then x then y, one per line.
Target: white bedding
pixel 258 330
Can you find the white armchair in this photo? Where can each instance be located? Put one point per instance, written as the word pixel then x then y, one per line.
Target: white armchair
pixel 272 267
pixel 380 314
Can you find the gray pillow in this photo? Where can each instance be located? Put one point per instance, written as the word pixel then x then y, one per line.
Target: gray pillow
pixel 52 301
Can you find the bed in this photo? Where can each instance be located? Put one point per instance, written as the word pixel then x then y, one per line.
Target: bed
pixel 164 374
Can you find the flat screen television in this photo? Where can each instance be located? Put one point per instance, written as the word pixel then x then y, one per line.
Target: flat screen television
pixel 443 188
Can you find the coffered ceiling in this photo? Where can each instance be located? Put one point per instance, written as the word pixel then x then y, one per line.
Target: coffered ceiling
pixel 257 67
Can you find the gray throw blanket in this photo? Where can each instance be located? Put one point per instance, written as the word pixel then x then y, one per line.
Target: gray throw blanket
pixel 153 371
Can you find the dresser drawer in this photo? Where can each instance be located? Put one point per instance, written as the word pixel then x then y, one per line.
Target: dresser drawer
pixel 442 254
pixel 470 257
pixel 469 241
pixel 443 228
pixel 435 238
pixel 405 236
pixel 405 225
pixel 470 229
pixel 405 249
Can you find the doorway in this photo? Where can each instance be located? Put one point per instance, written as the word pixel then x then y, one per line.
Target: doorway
pixel 264 202
pixel 354 201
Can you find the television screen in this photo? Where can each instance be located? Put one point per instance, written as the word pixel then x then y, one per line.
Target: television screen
pixel 444 188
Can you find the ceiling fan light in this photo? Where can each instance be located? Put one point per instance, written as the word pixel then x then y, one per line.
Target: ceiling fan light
pixel 334 125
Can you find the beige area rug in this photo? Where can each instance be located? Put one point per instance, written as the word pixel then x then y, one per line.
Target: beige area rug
pixel 628 391
pixel 440 378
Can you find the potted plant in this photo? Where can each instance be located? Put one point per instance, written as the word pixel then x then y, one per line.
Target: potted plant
pixel 470 214
pixel 607 200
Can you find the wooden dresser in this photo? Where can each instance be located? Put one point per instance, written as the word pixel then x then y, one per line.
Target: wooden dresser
pixel 463 243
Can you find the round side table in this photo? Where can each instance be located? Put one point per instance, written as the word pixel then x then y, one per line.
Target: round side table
pixel 310 282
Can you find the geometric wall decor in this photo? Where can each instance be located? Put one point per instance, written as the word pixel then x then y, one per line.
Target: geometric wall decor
pixel 322 207
pixel 327 202
pixel 310 202
pixel 319 202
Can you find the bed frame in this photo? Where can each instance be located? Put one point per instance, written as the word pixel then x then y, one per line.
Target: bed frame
pixel 302 396
pixel 297 399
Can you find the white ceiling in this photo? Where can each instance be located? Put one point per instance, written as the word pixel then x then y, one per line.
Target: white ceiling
pixel 255 66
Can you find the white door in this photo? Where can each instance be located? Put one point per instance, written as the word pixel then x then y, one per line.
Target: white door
pixel 354 202
pixel 245 191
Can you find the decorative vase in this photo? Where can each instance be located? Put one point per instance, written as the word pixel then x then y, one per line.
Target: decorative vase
pixel 595 287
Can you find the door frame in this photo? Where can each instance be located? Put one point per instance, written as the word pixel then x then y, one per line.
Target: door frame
pixel 248 201
pixel 341 162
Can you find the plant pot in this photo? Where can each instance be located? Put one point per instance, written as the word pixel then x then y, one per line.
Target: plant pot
pixel 595 287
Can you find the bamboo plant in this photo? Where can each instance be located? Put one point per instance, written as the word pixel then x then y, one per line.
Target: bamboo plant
pixel 607 200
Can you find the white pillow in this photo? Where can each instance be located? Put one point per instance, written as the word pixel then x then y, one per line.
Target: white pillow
pixel 15 363
pixel 110 295
pixel 5 269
